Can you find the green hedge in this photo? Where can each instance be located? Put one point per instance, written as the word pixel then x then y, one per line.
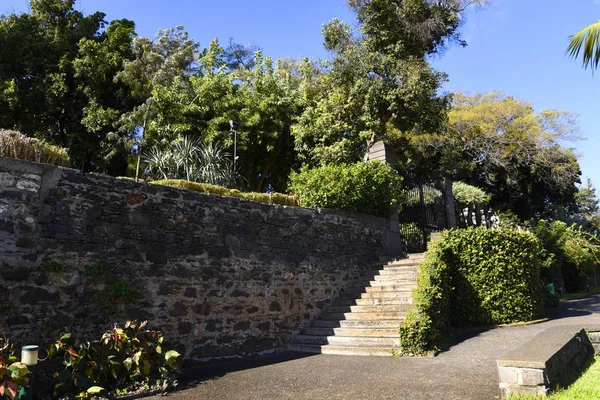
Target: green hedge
pixel 369 188
pixel 267 198
pixel 16 145
pixel 470 277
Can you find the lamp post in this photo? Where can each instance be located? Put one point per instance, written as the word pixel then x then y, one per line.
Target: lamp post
pixel 29 357
pixel 233 130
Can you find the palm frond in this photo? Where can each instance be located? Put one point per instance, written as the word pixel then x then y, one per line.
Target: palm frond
pixel 587 40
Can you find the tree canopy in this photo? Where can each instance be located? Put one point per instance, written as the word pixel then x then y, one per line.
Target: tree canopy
pixel 114 98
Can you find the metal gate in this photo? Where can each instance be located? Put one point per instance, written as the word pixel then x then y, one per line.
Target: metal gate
pixel 423 211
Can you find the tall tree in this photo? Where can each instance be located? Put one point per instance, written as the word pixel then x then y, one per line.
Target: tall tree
pixel 379 81
pixel 160 62
pixel 41 94
pixel 501 145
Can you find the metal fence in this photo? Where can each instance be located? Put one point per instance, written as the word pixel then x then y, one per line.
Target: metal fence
pixel 423 212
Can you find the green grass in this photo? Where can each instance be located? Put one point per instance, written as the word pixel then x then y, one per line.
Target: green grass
pixel 586 386
pixel 579 295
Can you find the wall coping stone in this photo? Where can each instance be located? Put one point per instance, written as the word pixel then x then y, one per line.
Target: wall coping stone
pixel 538 352
pixel 544 361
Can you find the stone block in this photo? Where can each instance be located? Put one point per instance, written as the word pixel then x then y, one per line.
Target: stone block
pixel 28 186
pixel 532 377
pixel 508 375
pixel 6 180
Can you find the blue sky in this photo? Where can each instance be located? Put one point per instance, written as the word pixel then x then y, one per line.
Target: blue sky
pixel 513 45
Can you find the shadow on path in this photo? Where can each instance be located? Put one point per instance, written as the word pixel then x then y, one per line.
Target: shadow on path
pixel 195 375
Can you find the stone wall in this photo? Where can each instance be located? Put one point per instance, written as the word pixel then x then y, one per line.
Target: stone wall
pixel 222 276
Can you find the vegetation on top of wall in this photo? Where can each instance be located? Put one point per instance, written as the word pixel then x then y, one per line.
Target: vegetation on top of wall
pixel 365 187
pixel 16 145
pixel 267 198
pixel 121 361
pixel 472 277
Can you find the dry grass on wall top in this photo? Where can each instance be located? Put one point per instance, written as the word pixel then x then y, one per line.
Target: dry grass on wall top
pixel 266 198
pixel 16 145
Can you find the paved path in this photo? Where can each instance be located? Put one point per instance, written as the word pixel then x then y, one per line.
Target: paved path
pixel 466 371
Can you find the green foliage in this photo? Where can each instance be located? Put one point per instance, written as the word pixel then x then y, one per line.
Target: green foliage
pixel 569 249
pixel 499 144
pixel 370 188
pixel 411 236
pixel 588 40
pixel 190 160
pixel 266 198
pixel 53 266
pixel 13 374
pixel 96 270
pixel 468 196
pixel 123 358
pixel 471 277
pixel 16 145
pixel 117 291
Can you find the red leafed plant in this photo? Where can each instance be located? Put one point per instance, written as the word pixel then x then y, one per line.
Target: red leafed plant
pixel 13 374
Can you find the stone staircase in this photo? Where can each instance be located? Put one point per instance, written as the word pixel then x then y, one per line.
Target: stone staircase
pixel 364 321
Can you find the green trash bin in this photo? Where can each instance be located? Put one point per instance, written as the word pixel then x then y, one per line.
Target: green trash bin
pixel 550 288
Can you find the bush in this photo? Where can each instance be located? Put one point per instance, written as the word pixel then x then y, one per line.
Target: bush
pixel 473 277
pixel 124 359
pixel 13 374
pixel 16 145
pixel 569 249
pixel 267 198
pixel 369 188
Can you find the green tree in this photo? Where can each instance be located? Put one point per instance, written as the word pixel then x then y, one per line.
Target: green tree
pixel 588 40
pixel 502 146
pixel 156 63
pixel 98 63
pixel 379 82
pixel 39 88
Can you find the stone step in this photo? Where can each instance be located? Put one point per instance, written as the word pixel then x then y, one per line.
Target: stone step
pixel 368 324
pixel 396 282
pixel 406 261
pixel 409 273
pixel 348 340
pixel 400 268
pixel 377 294
pixel 389 308
pixel 374 301
pixel 364 316
pixel 360 332
pixel 382 351
pixel 373 284
pixel 390 288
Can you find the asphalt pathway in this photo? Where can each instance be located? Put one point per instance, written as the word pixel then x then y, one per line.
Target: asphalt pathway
pixel 467 371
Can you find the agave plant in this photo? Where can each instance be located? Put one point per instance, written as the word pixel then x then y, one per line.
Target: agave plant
pixel 191 160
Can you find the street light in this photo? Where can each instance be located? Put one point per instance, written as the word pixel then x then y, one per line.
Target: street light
pixel 233 130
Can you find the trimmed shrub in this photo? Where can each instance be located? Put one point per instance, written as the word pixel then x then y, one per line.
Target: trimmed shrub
pixel 369 188
pixel 16 145
pixel 266 198
pixel 472 277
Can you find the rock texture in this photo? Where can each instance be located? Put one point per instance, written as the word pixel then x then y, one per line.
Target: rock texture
pixel 221 276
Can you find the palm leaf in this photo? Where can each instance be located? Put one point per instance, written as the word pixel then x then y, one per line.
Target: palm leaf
pixel 587 40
